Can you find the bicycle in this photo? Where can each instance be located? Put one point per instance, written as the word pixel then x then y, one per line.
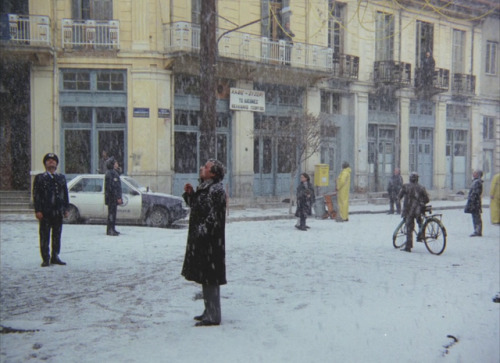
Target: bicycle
pixel 431 231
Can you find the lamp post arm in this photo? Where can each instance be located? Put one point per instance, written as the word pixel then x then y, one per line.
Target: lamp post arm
pixel 240 27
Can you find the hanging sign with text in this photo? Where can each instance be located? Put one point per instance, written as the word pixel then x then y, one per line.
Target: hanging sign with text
pixel 247 100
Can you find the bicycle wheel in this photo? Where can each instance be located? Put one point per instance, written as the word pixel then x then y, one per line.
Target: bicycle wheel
pixel 399 235
pixel 434 236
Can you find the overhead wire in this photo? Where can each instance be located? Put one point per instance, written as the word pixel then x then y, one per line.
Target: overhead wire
pixel 362 12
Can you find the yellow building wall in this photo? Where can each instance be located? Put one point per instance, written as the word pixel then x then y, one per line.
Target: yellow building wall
pixel 45 127
pixel 142 53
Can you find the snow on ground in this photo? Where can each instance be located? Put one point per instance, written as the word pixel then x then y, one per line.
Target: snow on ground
pixel 339 292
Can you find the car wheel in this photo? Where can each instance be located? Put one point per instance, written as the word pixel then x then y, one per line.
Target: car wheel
pixel 158 218
pixel 73 215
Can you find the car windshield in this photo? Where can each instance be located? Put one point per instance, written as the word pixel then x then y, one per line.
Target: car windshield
pixel 135 184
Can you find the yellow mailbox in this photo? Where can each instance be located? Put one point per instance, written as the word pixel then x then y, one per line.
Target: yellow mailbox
pixel 321 175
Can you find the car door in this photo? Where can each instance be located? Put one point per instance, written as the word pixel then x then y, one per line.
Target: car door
pixel 87 194
pixel 132 203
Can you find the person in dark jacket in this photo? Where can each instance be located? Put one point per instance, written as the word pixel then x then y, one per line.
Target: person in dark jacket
pixel 428 65
pixel 415 198
pixel 102 162
pixel 394 187
pixel 50 197
pixel 112 194
pixel 205 259
pixel 305 200
pixel 473 205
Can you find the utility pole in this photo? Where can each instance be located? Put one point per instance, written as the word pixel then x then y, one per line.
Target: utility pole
pixel 208 101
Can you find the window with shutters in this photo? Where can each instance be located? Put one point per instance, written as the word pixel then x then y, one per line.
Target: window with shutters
pixel 384 42
pixel 491 57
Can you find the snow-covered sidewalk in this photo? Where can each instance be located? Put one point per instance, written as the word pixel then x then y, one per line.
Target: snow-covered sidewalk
pixel 339 292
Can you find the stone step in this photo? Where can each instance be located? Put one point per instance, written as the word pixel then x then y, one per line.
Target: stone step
pixel 15 202
pixel 16 211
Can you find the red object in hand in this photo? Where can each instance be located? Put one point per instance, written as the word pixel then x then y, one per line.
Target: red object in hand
pixel 188 188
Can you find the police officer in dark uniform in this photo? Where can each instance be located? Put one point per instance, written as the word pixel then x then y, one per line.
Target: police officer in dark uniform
pixel 112 195
pixel 50 196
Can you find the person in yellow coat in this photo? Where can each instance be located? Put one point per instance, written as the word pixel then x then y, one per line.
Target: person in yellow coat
pixel 495 199
pixel 342 187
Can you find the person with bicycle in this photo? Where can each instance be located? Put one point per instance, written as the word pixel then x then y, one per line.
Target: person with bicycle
pixel 415 198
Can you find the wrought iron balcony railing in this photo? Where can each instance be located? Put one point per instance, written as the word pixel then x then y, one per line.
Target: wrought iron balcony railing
pixel 345 66
pixel 438 81
pixel 185 37
pixel 19 29
pixel 463 84
pixel 392 73
pixel 91 34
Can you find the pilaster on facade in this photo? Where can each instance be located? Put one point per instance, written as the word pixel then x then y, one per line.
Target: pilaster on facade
pixel 440 145
pixel 45 123
pixel 404 127
pixel 360 103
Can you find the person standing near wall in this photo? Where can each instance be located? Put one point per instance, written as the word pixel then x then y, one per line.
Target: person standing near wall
pixel 50 197
pixel 474 203
pixel 205 258
pixel 305 200
pixel 102 162
pixel 342 187
pixel 428 66
pixel 112 194
pixel 395 185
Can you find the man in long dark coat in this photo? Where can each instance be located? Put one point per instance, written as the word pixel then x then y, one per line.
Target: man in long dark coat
pixel 112 194
pixel 473 205
pixel 50 197
pixel 393 188
pixel 205 259
pixel 428 66
pixel 415 198
pixel 305 200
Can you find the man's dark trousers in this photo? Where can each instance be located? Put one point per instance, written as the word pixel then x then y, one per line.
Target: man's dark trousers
pixel 112 208
pixel 47 224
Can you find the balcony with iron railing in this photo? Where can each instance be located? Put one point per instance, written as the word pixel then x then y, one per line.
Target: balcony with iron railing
pixel 463 85
pixel 392 73
pixel 90 34
pixel 184 37
pixel 25 30
pixel 428 85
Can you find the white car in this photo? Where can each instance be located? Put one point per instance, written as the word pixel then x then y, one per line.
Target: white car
pixel 140 205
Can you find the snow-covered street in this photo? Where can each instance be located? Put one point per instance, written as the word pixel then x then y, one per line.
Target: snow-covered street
pixel 339 292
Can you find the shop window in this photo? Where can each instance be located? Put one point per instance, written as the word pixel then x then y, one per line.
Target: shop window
pixel 186 152
pixel 187 85
pixel 77 151
pixel 76 115
pixel 110 81
pixel 111 115
pixel 330 102
pixel 286 154
pixel 76 80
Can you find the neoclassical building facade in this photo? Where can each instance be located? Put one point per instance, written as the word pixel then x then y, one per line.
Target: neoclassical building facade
pixel 80 77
